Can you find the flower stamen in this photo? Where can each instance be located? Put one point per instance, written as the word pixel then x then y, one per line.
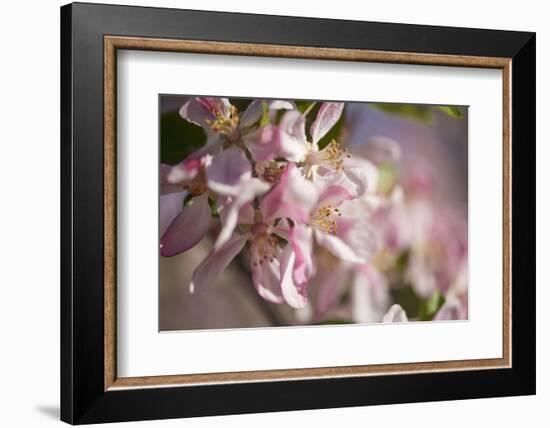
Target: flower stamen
pixel 270 171
pixel 264 245
pixel 335 154
pixel 322 219
pixel 222 123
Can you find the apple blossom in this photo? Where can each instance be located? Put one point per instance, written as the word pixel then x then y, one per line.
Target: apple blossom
pixel 320 227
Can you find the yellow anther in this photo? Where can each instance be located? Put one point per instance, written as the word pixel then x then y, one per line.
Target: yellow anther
pixel 224 124
pixel 322 219
pixel 335 154
pixel 270 171
pixel 264 245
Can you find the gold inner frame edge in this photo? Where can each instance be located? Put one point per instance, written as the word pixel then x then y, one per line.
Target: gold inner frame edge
pixel 113 43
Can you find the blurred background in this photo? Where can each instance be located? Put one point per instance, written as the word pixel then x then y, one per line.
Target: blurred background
pixel 432 143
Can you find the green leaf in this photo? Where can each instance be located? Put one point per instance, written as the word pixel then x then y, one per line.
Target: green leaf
pixel 429 307
pixel 187 200
pixel 402 261
pixel 451 111
pixel 407 298
pixel 213 207
pixel 265 115
pixel 388 175
pixel 310 108
pixel 304 105
pixel 178 138
pixel 418 113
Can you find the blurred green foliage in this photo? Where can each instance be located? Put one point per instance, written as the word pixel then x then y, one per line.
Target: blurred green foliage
pixel 213 207
pixel 452 111
pixel 409 111
pixel 408 299
pixel 415 306
pixel 418 112
pixel 302 106
pixel 264 120
pixel 402 261
pixel 178 138
pixel 388 175
pixel 403 294
pixel 429 307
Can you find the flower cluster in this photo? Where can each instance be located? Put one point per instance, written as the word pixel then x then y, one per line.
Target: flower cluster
pixel 274 190
pixel 422 250
pixel 324 230
pixel 424 246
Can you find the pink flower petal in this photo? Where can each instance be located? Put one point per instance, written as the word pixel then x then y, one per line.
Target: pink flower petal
pixel 330 285
pixel 184 171
pixel 227 171
pixel 266 279
pixel 395 314
pixel 383 150
pixel 263 144
pixel 255 110
pixel 286 140
pixel 338 247
pixel 293 197
pixel 294 294
pixel 216 262
pixel 171 205
pixel 358 234
pixel 252 114
pixel 362 173
pixel 165 186
pixel 421 275
pixel 291 136
pixel 370 295
pixel 199 110
pixel 282 229
pixel 281 105
pixel 328 115
pixel 334 188
pixel 230 211
pixel 393 224
pixel 334 195
pixel 266 276
pixel 188 228
pixel 451 310
pixel 229 214
pixel 245 214
pixel 301 239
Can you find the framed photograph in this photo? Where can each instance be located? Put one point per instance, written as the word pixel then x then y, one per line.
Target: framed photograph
pixel 266 213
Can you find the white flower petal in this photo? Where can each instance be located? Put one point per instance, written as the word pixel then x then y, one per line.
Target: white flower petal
pixel 216 262
pixel 395 314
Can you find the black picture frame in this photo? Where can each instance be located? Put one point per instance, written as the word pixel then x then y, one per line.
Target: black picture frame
pixel 83 396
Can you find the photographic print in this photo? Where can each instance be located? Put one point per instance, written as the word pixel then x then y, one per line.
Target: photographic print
pixel 287 212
